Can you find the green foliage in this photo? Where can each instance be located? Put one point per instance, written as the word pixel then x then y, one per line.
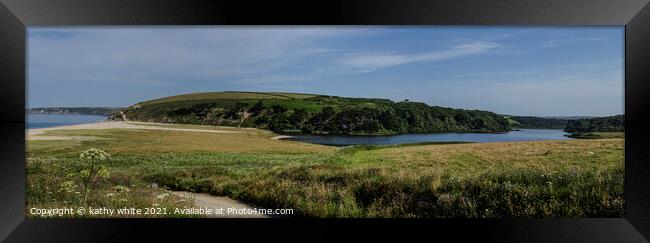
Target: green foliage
pixel 575 178
pixel 89 172
pixel 327 190
pixel 48 186
pixel 539 122
pixel 597 135
pixel 598 124
pixel 321 115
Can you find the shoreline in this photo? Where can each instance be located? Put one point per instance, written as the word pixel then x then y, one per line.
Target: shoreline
pixel 282 137
pixel 36 133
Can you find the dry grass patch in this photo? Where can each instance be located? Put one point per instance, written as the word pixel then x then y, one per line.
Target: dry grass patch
pixel 133 141
pixel 543 155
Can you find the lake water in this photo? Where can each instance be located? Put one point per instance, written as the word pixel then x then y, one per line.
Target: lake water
pixel 55 120
pixel 521 135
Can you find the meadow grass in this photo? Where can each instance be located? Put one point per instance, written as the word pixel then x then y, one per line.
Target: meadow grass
pixel 227 95
pixel 571 178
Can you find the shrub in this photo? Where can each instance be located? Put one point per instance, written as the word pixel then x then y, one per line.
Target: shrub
pixel 90 172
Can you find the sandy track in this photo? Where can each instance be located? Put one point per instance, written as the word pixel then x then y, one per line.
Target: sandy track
pixel 35 134
pixel 281 137
pixel 205 200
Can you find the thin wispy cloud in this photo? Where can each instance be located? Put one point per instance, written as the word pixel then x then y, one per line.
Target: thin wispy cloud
pixel 197 54
pixel 555 43
pixel 371 62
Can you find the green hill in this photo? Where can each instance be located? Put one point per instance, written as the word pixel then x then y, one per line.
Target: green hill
pixel 227 95
pixel 312 114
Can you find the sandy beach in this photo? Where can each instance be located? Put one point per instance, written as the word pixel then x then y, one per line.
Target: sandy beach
pixel 38 133
pixel 281 137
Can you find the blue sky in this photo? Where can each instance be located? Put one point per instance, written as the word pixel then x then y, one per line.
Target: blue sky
pixel 541 71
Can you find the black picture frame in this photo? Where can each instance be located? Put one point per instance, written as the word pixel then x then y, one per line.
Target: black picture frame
pixel 16 15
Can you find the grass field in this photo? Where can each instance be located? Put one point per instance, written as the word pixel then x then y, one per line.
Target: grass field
pixel 157 110
pixel 573 178
pixel 227 95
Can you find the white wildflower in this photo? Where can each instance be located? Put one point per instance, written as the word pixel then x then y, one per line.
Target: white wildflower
pixel 94 153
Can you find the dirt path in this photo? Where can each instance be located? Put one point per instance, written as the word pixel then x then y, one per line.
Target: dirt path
pixel 123 116
pixel 35 134
pixel 244 116
pixel 205 200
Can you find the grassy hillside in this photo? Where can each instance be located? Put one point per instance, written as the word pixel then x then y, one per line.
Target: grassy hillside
pixel 574 178
pixel 227 95
pixel 312 114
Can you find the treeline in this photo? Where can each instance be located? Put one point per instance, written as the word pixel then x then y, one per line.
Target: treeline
pixel 539 122
pixel 329 115
pixel 103 111
pixel 598 124
pixel 399 118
